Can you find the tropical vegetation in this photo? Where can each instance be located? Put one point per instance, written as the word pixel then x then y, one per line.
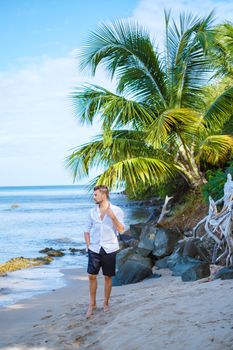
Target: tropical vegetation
pixel 160 121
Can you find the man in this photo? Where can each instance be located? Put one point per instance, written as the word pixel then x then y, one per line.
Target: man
pixel 104 223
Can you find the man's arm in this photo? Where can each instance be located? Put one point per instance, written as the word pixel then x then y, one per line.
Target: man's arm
pixel 118 225
pixel 87 231
pixel 87 239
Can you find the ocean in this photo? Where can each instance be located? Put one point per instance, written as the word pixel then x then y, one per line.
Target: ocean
pixel 35 217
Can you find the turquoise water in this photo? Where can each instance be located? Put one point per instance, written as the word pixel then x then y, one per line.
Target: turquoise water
pixel 32 218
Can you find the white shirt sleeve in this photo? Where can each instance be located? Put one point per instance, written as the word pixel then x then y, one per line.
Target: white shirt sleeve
pixel 89 223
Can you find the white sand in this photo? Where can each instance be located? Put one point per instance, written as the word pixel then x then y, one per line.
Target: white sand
pixel 163 313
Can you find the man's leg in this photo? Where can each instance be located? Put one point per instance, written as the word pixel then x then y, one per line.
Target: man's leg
pixel 107 291
pixel 92 291
pixel 93 270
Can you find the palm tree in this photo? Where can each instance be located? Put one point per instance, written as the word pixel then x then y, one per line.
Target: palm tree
pixel 222 50
pixel 156 123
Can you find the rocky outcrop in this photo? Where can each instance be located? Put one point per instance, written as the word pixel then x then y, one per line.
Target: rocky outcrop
pixel 150 243
pixel 131 254
pixel 196 272
pixel 165 241
pixel 225 273
pixel 52 252
pixel 157 240
pixel 77 250
pixel 131 271
pixel 23 263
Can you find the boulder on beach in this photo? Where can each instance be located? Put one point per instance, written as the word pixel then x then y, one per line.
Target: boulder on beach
pixel 196 272
pixel 183 263
pixel 147 239
pixel 165 241
pixel 131 254
pixel 131 271
pixel 135 230
pixel 157 240
pixel 126 240
pixel 225 273
pixel 196 248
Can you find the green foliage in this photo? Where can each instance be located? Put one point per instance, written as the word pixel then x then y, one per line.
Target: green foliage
pixel 142 191
pixel 157 123
pixel 216 181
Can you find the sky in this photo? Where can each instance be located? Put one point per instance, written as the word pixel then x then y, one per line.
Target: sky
pixel 39 69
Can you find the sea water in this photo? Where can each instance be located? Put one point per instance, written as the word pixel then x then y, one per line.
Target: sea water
pixel 32 218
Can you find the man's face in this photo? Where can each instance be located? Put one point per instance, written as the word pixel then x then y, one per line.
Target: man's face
pixel 98 196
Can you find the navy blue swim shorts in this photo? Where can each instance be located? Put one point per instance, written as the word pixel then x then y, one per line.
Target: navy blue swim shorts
pixel 102 259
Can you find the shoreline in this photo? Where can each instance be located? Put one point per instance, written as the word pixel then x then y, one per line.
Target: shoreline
pixel 27 283
pixel 164 313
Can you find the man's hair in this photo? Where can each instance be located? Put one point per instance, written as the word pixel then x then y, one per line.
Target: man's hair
pixel 103 189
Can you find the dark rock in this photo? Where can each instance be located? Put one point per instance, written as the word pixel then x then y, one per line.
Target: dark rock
pixel 183 263
pixel 165 241
pixel 190 248
pixel 131 272
pixel 196 248
pixel 123 255
pixel 173 259
pixel 122 245
pixel 162 263
pixel 205 248
pixel 225 273
pixel 77 250
pixel 147 239
pixel 130 254
pixel 196 272
pixel 52 252
pixel 136 229
pixel 126 240
pixel 154 275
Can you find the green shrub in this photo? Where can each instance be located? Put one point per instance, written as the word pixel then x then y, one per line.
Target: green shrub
pixel 216 180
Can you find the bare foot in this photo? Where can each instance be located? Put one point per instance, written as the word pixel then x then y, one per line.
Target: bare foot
pixel 90 310
pixel 106 308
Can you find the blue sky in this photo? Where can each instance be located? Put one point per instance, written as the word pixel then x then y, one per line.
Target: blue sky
pixel 39 68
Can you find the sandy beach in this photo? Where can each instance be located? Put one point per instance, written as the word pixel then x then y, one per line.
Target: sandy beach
pixel 158 313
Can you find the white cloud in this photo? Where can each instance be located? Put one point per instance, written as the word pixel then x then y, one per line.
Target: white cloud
pixel 151 12
pixel 38 127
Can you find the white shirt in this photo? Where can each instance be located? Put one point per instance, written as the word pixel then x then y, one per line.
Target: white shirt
pixel 103 232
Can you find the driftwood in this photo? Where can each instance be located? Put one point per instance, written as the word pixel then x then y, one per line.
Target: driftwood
pixel 153 218
pixel 164 210
pixel 219 225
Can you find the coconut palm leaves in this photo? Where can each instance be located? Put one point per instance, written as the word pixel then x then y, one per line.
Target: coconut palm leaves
pixel 155 123
pixel 222 50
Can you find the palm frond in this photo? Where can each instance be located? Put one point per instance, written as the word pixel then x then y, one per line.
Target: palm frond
pixel 222 49
pixel 215 148
pixel 185 50
pixel 114 110
pixel 99 153
pixel 147 170
pixel 179 121
pixel 120 45
pixel 220 110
